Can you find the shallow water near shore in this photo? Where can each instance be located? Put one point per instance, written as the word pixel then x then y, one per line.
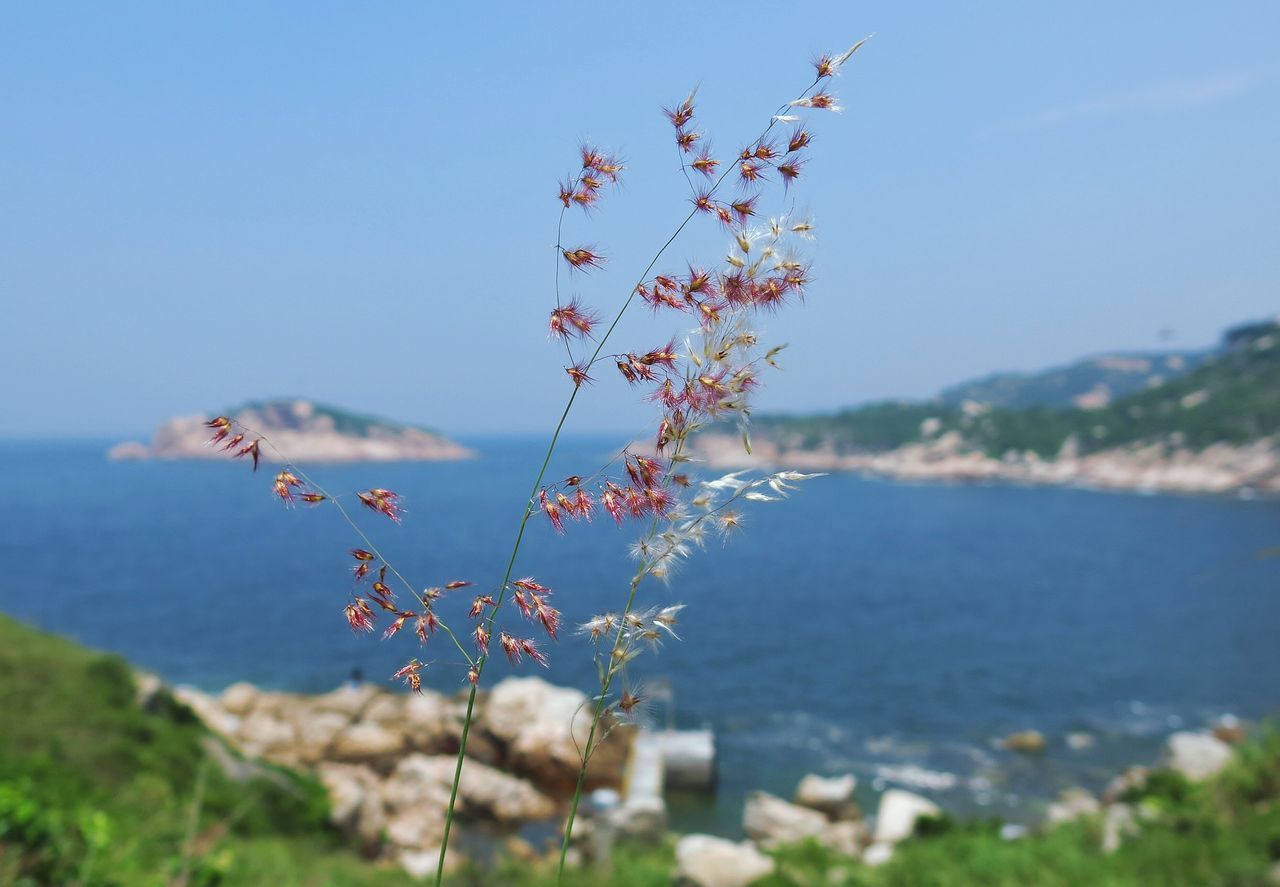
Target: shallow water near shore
pixel 894 631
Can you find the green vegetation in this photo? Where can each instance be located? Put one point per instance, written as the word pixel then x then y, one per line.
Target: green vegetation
pixel 96 790
pixel 344 421
pixel 871 428
pixel 1231 397
pixel 1057 388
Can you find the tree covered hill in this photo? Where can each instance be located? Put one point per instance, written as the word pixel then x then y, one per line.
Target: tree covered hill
pixel 1090 382
pixel 1230 395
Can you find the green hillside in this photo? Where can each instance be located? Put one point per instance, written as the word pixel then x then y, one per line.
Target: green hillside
pixel 98 789
pixel 1082 383
pixel 282 413
pixel 1232 396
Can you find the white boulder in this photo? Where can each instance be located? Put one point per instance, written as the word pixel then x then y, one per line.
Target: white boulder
pixel 1071 804
pixel 1196 756
pixel 262 734
pixel 348 699
pixel 239 699
pixel 706 861
pixel 897 815
pixel 773 821
pixel 421 780
pixel 543 725
pixel 367 742
pixel 433 721
pixel 355 804
pixel 830 795
pixel 316 733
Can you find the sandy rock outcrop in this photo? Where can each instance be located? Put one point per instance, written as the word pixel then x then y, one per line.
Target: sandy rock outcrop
pixel 388 759
pixel 368 742
pixel 772 821
pixel 239 699
pixel 896 817
pixel 355 801
pixel 707 861
pixel 542 729
pixel 543 725
pixel 1196 756
pixel 832 796
pixel 484 791
pixel 262 734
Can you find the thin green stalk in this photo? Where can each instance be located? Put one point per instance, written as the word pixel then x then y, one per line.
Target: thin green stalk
pixel 480 662
pixel 515 550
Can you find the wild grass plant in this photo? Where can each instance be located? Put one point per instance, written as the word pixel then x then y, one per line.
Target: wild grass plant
pixel 705 374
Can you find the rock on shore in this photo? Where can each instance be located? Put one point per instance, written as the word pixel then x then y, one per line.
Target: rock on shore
pixel 388 759
pixel 1157 467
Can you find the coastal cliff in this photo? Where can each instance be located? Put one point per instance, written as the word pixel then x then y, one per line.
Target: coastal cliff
pixel 307 432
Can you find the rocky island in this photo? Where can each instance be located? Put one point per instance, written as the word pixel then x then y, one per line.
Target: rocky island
pixel 1181 422
pixel 306 431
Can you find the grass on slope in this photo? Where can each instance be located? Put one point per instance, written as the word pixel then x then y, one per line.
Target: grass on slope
pixel 95 790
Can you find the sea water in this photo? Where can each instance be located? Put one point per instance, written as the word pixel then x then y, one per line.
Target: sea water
pixel 893 631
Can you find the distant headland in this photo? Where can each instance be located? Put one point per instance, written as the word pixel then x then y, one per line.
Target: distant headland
pixel 1193 422
pixel 306 431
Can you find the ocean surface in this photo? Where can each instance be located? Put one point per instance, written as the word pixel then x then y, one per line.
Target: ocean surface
pixel 895 631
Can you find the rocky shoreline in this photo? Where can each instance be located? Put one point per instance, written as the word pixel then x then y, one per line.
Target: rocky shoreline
pixel 823 810
pixel 1222 468
pixel 387 760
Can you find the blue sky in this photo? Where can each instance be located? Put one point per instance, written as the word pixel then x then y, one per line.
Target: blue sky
pixel 204 203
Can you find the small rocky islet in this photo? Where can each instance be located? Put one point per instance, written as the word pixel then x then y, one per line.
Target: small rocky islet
pixel 300 430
